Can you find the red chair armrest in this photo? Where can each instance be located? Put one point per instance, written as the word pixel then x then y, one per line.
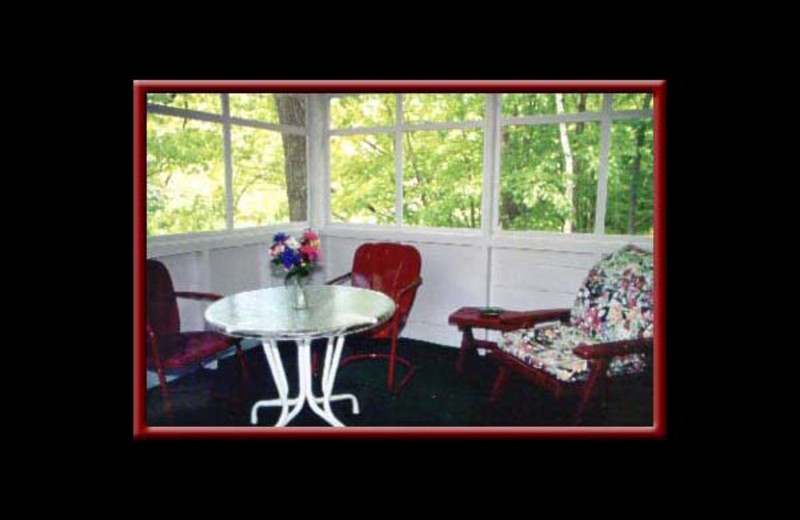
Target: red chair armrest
pixel 151 336
pixel 415 283
pixel 339 279
pixel 531 318
pixel 617 348
pixel 152 343
pixel 198 295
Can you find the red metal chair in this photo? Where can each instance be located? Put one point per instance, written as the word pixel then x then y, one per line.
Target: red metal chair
pixel 393 269
pixel 170 351
pixel 606 335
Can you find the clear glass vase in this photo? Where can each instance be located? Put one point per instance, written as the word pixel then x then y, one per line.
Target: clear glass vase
pixel 299 299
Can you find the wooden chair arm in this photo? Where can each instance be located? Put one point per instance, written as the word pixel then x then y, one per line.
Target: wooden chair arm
pixel 339 278
pixel 198 295
pixel 617 348
pixel 531 318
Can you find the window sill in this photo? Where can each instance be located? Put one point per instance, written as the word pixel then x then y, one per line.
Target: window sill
pixel 582 243
pixel 167 245
pixel 544 240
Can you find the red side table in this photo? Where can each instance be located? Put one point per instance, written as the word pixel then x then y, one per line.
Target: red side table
pixel 468 318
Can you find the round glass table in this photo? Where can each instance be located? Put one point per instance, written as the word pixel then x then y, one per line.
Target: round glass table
pixel 269 315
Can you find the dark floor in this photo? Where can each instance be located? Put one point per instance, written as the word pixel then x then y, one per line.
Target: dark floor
pixel 435 396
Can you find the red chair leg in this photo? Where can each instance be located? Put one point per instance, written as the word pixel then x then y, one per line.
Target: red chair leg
pixel 597 372
pixel 162 380
pixel 392 357
pixel 373 355
pixel 393 360
pixel 499 384
pixel 243 368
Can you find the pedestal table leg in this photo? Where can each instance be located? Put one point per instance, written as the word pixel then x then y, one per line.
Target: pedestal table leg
pixel 305 392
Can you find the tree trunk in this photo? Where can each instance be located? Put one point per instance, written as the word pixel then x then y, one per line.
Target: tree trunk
pixel 636 172
pixel 412 160
pixel 510 210
pixel 581 223
pixel 291 111
pixel 569 180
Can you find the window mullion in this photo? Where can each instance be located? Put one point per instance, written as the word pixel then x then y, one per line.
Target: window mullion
pixel 398 162
pixel 602 170
pixel 226 148
pixel 326 156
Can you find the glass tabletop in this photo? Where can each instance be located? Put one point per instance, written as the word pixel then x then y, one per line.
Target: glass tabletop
pixel 268 313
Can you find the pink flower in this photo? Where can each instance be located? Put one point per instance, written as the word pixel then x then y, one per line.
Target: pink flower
pixel 296 257
pixel 310 251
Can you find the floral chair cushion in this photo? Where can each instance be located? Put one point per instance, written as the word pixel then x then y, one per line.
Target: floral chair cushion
pixel 549 348
pixel 614 303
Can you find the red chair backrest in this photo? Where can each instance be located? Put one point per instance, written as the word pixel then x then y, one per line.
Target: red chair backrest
pixel 388 267
pixel 162 305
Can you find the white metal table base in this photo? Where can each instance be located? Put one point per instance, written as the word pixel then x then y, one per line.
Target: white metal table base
pixel 305 393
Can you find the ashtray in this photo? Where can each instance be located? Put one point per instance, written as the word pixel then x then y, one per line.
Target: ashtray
pixel 490 311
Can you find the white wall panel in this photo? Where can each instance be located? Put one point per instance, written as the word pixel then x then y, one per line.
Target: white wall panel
pixel 516 299
pixel 531 277
pixel 441 334
pixel 189 272
pixel 338 255
pixel 524 273
pixel 545 257
pixel 453 276
pixel 235 269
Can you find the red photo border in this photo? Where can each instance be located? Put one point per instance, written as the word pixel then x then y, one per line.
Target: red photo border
pixel 140 90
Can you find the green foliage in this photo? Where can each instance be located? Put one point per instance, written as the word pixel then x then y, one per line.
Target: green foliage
pixel 258 107
pixel 362 178
pixel 442 178
pixel 533 168
pixel 363 110
pixel 520 105
pixel 630 101
pixel 185 179
pixel 442 108
pixel 185 170
pixel 441 169
pixel 259 183
pixel 623 171
pixel 201 102
pixel 532 180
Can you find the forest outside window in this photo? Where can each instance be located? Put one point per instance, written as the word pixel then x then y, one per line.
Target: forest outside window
pixel 225 161
pixel 568 162
pixel 407 159
pixel 559 163
pixel 576 163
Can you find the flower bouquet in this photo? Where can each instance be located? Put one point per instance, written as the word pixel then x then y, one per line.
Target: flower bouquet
pixel 296 259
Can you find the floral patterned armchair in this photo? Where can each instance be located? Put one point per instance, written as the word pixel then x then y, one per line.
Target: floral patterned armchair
pixel 607 333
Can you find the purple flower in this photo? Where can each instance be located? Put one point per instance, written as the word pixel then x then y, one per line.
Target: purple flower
pixel 280 237
pixel 290 258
